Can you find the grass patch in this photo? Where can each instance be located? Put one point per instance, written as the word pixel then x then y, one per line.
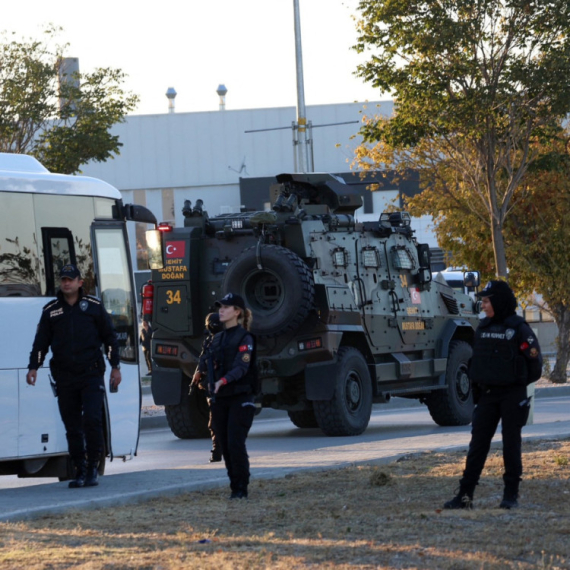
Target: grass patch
pixel 365 517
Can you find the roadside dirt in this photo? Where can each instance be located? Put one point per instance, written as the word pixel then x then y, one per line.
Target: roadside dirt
pixel 365 517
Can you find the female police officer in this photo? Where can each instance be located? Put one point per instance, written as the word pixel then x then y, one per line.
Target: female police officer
pixel 232 407
pixel 506 358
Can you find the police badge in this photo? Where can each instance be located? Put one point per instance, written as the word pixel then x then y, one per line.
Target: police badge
pixel 509 333
pixel 83 305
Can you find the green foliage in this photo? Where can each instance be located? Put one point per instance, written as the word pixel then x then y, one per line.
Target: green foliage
pixel 561 460
pixel 538 234
pixel 476 83
pixel 466 65
pixel 63 125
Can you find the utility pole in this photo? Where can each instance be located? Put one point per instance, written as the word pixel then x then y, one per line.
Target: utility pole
pixel 302 129
pixel 302 151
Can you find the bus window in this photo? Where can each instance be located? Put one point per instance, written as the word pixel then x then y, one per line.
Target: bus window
pixel 20 267
pixel 75 213
pixel 115 286
pixel 58 251
pixel 103 208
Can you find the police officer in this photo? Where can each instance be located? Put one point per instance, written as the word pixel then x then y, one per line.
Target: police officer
pixel 233 352
pixel 506 358
pixel 145 340
pixel 200 379
pixel 75 326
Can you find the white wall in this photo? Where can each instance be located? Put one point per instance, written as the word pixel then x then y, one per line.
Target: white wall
pixel 207 149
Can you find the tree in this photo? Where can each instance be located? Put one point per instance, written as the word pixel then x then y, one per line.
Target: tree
pixel 538 235
pixel 64 124
pixel 476 83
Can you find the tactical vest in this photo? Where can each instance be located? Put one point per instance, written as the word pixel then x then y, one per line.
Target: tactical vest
pixel 224 350
pixel 496 357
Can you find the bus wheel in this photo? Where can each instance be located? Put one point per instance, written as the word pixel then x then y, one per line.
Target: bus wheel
pixel 189 418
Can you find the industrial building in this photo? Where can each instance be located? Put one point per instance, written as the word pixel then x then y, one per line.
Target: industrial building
pixel 228 159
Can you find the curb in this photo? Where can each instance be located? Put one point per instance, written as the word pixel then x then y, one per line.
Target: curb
pixel 159 420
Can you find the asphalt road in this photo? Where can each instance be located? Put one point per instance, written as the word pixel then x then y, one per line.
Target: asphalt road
pixel 166 465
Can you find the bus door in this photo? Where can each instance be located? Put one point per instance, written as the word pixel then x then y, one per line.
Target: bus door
pixel 115 288
pixel 9 420
pixel 40 430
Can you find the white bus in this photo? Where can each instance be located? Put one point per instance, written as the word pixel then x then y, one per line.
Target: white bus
pixel 46 221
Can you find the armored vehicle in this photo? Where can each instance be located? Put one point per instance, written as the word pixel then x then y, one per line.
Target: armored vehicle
pixel 345 314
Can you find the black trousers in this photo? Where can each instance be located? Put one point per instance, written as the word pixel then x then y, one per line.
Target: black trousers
pixel 80 402
pixel 215 444
pixel 148 359
pixel 511 406
pixel 231 420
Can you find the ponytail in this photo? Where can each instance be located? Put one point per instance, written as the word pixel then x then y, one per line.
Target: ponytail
pixel 245 317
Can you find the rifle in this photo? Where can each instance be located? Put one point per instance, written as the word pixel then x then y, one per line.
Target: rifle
pixel 211 376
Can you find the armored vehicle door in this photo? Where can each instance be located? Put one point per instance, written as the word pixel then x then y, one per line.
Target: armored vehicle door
pixel 172 311
pixel 374 276
pixel 407 296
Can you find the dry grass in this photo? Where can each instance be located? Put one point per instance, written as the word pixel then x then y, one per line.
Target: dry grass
pixel 358 517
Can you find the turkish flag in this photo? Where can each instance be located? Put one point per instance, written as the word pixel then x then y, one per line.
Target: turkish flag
pixel 175 249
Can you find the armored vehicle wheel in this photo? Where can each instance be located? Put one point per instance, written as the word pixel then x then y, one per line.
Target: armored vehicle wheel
pixel 189 418
pixel 280 295
pixel 304 419
pixel 348 413
pixel 454 405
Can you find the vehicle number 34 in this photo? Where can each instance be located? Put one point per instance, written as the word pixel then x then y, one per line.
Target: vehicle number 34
pixel 173 297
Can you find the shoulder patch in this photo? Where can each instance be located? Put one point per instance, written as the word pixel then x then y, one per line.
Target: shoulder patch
pixel 50 305
pixel 92 299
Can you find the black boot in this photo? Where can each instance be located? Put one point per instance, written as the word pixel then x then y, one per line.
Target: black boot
pixel 215 455
pixel 80 475
pixel 92 479
pixel 463 500
pixel 509 502
pixel 510 496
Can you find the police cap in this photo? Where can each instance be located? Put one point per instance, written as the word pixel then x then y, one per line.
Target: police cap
pixel 70 271
pixel 231 300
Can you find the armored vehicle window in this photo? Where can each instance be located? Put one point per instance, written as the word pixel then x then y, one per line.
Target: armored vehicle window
pixel 340 257
pixel 371 258
pixel 402 258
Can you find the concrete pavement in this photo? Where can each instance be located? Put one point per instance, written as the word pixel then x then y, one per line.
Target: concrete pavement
pixel 125 488
pixel 155 418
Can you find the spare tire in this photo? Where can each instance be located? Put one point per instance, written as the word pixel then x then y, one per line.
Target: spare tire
pixel 276 285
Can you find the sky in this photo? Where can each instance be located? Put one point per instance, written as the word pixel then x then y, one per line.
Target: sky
pixel 196 45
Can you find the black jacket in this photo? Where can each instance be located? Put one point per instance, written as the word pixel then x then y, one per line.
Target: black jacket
pixel 505 353
pixel 233 352
pixel 75 334
pixel 145 338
